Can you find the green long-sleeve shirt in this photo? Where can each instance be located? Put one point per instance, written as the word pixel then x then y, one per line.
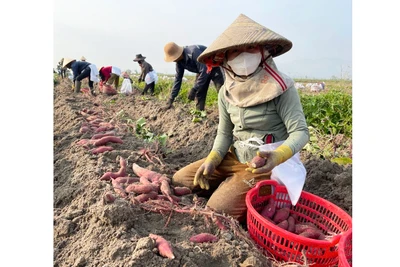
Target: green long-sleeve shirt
pixel 282 117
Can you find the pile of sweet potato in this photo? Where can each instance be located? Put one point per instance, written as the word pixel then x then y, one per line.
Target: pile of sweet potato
pixel 148 185
pixel 285 219
pixel 102 133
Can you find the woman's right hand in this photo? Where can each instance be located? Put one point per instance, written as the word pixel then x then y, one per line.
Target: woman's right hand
pixel 206 170
pixel 201 176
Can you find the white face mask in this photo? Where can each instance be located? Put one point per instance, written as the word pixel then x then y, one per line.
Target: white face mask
pixel 245 63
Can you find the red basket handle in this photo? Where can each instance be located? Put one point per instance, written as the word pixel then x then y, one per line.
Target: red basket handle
pixel 266 182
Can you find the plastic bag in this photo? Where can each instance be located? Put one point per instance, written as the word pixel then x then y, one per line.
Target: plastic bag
pixel 126 87
pixel 291 173
pixel 151 77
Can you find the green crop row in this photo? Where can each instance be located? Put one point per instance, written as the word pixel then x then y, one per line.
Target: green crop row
pixel 330 112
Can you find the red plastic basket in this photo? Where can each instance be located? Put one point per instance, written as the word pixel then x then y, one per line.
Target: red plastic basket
pixel 286 246
pixel 345 249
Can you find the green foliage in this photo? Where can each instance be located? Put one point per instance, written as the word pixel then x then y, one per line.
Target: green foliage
pixel 144 133
pixel 342 161
pixel 139 128
pixel 198 115
pixel 329 112
pixel 337 148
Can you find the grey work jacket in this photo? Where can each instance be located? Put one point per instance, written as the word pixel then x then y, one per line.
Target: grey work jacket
pixel 282 117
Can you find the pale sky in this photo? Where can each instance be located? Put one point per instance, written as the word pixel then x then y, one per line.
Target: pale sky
pixel 113 32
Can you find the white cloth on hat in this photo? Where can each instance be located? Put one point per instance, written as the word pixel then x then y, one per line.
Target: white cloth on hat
pixel 116 70
pixel 93 73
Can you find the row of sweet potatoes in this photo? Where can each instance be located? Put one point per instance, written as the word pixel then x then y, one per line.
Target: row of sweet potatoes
pixel 103 133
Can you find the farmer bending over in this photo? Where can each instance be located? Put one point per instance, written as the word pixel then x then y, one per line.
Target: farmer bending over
pixel 109 75
pixel 186 59
pixel 82 70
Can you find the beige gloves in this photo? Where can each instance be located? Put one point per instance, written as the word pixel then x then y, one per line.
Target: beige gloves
pixel 206 169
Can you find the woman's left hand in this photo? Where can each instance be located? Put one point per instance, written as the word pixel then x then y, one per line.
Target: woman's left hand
pixel 273 159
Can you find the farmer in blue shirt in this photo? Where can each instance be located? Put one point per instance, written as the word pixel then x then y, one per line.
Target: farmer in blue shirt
pixel 82 70
pixel 186 59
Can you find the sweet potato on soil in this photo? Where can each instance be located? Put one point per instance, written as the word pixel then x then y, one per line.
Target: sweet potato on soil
pixel 144 197
pixel 84 129
pixel 122 169
pixel 127 180
pixel 140 188
pixel 144 180
pixel 108 197
pixel 101 149
pixel 140 171
pixel 84 142
pixel 100 135
pixel 106 124
pixel 257 162
pixel 203 237
pixel 163 246
pixel 106 176
pixel 112 175
pixel 96 122
pixel 164 178
pixel 269 210
pixel 91 118
pixel 181 190
pixel 281 215
pixel 103 129
pixel 175 198
pixel 118 188
pixel 166 190
pixel 104 140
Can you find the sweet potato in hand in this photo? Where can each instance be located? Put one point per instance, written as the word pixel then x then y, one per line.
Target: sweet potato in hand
pixel 257 162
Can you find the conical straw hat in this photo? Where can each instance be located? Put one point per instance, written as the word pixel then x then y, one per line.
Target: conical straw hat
pixel 67 61
pixel 243 32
